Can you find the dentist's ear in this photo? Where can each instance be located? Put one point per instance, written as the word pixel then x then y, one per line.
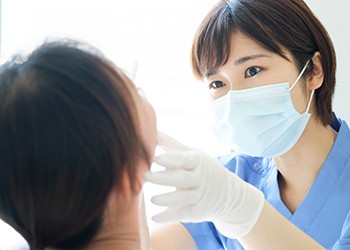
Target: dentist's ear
pixel 316 79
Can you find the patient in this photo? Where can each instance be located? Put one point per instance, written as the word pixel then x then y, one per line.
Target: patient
pixel 75 140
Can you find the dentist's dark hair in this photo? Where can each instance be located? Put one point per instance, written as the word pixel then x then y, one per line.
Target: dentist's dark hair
pixel 68 134
pixel 275 25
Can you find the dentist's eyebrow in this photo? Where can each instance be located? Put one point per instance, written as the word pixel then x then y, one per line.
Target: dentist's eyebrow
pixel 210 73
pixel 238 62
pixel 247 58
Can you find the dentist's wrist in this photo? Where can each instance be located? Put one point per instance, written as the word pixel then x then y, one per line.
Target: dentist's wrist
pixel 244 214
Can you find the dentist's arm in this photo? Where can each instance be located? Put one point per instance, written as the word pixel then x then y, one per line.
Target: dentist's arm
pixel 172 236
pixel 272 231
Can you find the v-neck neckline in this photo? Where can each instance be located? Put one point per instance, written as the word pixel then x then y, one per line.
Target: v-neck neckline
pixel 319 191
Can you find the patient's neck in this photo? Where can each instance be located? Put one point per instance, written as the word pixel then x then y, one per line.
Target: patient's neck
pixel 124 227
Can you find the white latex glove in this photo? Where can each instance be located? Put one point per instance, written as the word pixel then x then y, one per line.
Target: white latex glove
pixel 205 191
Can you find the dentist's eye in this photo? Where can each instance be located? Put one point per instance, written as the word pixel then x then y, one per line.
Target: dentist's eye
pixel 216 85
pixel 252 71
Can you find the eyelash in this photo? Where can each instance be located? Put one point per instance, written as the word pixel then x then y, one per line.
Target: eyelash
pixel 222 84
pixel 254 67
pixel 211 86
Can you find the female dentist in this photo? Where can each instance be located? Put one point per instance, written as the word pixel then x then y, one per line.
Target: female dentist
pixel 270 70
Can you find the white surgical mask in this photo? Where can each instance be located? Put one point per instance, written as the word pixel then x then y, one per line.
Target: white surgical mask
pixel 260 121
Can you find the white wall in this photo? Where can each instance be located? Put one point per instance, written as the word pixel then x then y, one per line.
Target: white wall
pixel 335 16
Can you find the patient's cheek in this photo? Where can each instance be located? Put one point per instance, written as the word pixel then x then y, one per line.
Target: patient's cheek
pixel 148 126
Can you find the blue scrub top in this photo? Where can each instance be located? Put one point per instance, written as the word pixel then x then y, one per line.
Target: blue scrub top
pixel 324 212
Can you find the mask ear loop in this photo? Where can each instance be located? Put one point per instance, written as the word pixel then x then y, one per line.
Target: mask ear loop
pixel 309 104
pixel 300 75
pixel 298 78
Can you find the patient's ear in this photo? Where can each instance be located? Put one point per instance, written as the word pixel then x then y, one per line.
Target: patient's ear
pixel 129 189
pixel 316 79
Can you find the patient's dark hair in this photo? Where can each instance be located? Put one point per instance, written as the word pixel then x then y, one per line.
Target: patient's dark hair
pixel 68 133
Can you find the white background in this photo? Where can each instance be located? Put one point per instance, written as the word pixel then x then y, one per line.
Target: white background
pixel 155 37
pixel 335 17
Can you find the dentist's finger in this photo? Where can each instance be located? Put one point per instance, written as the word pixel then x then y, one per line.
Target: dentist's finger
pixel 177 159
pixel 176 199
pixel 168 143
pixel 183 214
pixel 180 179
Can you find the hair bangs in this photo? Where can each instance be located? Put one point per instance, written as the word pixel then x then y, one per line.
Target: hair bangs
pixel 211 46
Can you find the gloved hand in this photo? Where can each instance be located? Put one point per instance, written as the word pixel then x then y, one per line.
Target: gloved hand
pixel 205 191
